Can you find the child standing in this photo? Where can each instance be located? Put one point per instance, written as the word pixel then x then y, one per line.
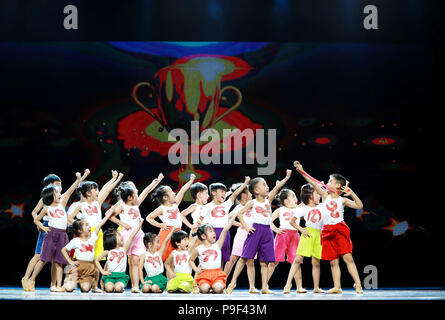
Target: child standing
pixel 178 263
pixel 217 213
pixel 151 261
pixel 168 212
pixel 309 246
pixel 114 277
pixel 260 238
pixel 209 274
pixel 56 237
pixel 129 215
pixel 83 245
pixel 287 237
pixel 200 195
pixel 335 234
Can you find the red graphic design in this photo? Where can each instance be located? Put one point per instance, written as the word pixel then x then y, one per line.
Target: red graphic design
pixel 208 253
pixel 134 213
pixel 334 213
pixel 118 255
pixel 248 213
pixel 153 261
pixel 90 210
pixel 173 213
pixel 180 258
pixel 58 213
pixel 288 215
pixel 218 212
pixel 86 248
pixel 314 215
pixel 263 212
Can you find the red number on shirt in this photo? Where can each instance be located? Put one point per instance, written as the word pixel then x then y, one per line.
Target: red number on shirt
pixel 218 212
pixel 314 215
pixel 180 258
pixel 134 213
pixel 173 213
pixel 334 213
pixel 58 213
pixel 208 253
pixel 248 213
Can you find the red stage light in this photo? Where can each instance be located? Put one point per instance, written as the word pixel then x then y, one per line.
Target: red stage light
pixel 322 140
pixel 383 141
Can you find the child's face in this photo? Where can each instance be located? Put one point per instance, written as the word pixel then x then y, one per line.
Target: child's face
pixel 86 229
pixel 261 188
pixel 291 200
pixel 154 246
pixel 119 240
pixel 94 194
pixel 203 196
pixel 133 199
pixel 184 244
pixel 219 195
pixel 170 197
pixel 333 184
pixel 210 235
pixel 57 195
pixel 58 184
pixel 315 197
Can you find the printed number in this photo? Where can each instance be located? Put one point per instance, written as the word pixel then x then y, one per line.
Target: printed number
pixel 58 213
pixel 314 216
pixel 334 213
pixel 218 212
pixel 173 213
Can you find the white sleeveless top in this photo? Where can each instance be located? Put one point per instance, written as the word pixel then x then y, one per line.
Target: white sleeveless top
pixel 181 262
pixel 332 210
pixel 197 213
pixel 285 217
pixel 247 216
pixel 153 264
pixel 311 215
pixel 92 213
pixel 171 216
pixel 209 258
pixel 261 212
pixel 117 260
pixel 130 215
pixel 217 214
pixel 57 217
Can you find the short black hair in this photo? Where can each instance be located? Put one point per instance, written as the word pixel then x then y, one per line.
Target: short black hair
pixel 123 191
pixel 177 237
pixel 253 183
pixel 110 240
pixel 202 230
pixel 216 186
pixel 306 192
pixel 197 188
pixel 47 194
pixel 158 194
pixel 149 237
pixel 339 178
pixel 87 186
pixel 50 179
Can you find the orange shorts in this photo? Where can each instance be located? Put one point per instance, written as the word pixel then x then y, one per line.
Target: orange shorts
pixel 169 248
pixel 211 276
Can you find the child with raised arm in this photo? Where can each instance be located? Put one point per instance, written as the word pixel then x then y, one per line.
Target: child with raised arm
pixel 83 245
pixel 49 179
pixel 56 237
pixel 178 265
pixel 151 261
pixel 309 246
pixel 129 214
pixel 260 238
pixel 287 237
pixel 200 195
pixel 114 277
pixel 209 274
pixel 335 234
pixel 218 215
pixel 168 212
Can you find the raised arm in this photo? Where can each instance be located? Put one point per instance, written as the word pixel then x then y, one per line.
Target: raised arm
pixel 184 188
pixel 356 203
pixel 306 176
pixel 239 190
pixel 69 192
pixel 279 185
pixel 164 243
pixel 133 234
pixel 149 188
pixel 109 186
pixel 222 237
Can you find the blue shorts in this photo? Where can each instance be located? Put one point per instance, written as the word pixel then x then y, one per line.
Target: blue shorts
pixel 39 244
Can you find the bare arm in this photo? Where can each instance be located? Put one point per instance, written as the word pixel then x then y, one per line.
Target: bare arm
pixel 239 190
pixel 149 188
pixel 108 187
pixel 133 234
pixel 97 264
pixel 185 213
pixel 38 223
pixel 153 215
pixel 68 259
pixel 222 237
pixel 240 214
pixel 184 188
pixel 169 265
pixel 279 185
pixel 356 203
pixel 37 208
pixel 192 259
pixel 74 213
pixel 69 192
pixel 164 243
pixel 293 223
pixel 275 215
pixel 316 186
pixel 117 221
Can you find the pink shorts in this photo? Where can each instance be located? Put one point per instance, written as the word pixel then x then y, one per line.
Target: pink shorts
pixel 286 244
pixel 137 246
pixel 238 242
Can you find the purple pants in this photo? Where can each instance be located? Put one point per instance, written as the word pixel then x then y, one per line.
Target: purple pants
pixel 53 244
pixel 261 242
pixel 225 250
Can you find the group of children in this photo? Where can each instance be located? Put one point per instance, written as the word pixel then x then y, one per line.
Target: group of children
pixel 92 252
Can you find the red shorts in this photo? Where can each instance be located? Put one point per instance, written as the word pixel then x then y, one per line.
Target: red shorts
pixel 211 276
pixel 335 241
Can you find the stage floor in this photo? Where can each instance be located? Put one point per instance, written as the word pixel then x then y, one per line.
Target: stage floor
pixel 17 293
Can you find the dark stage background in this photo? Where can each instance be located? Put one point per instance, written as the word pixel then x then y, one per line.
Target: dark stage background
pixel 341 98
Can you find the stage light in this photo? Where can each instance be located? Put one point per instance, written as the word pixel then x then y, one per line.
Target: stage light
pixel 16 211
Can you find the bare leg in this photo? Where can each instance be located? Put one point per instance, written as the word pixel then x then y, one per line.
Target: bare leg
pixel 336 276
pixel 271 269
pixel 218 287
pixel 264 277
pixel 109 287
pixel 31 264
pixel 251 276
pixel 316 274
pixel 134 270
pixel 229 264
pixel 347 258
pixel 204 288
pixel 238 268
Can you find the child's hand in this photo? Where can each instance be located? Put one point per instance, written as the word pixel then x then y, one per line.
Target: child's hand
pixel 164 226
pixel 250 230
pixel 347 191
pixel 74 263
pixel 114 174
pixel 305 233
pixel 280 231
pixel 141 221
pixel 288 172
pixel 199 270
pixel 46 229
pixel 192 177
pixel 298 166
pixel 106 273
pixel 246 179
pixel 160 177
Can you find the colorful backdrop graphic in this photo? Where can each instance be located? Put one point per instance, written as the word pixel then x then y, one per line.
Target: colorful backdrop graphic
pixel 337 107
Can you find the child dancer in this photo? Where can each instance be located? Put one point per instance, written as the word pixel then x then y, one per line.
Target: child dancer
pixel 178 263
pixel 168 212
pixel 129 213
pixel 287 237
pixel 200 195
pixel 151 261
pixel 309 246
pixel 260 238
pixel 49 179
pixel 209 273
pixel 217 212
pixel 114 277
pixel 56 237
pixel 335 234
pixel 83 245
pixel 241 235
